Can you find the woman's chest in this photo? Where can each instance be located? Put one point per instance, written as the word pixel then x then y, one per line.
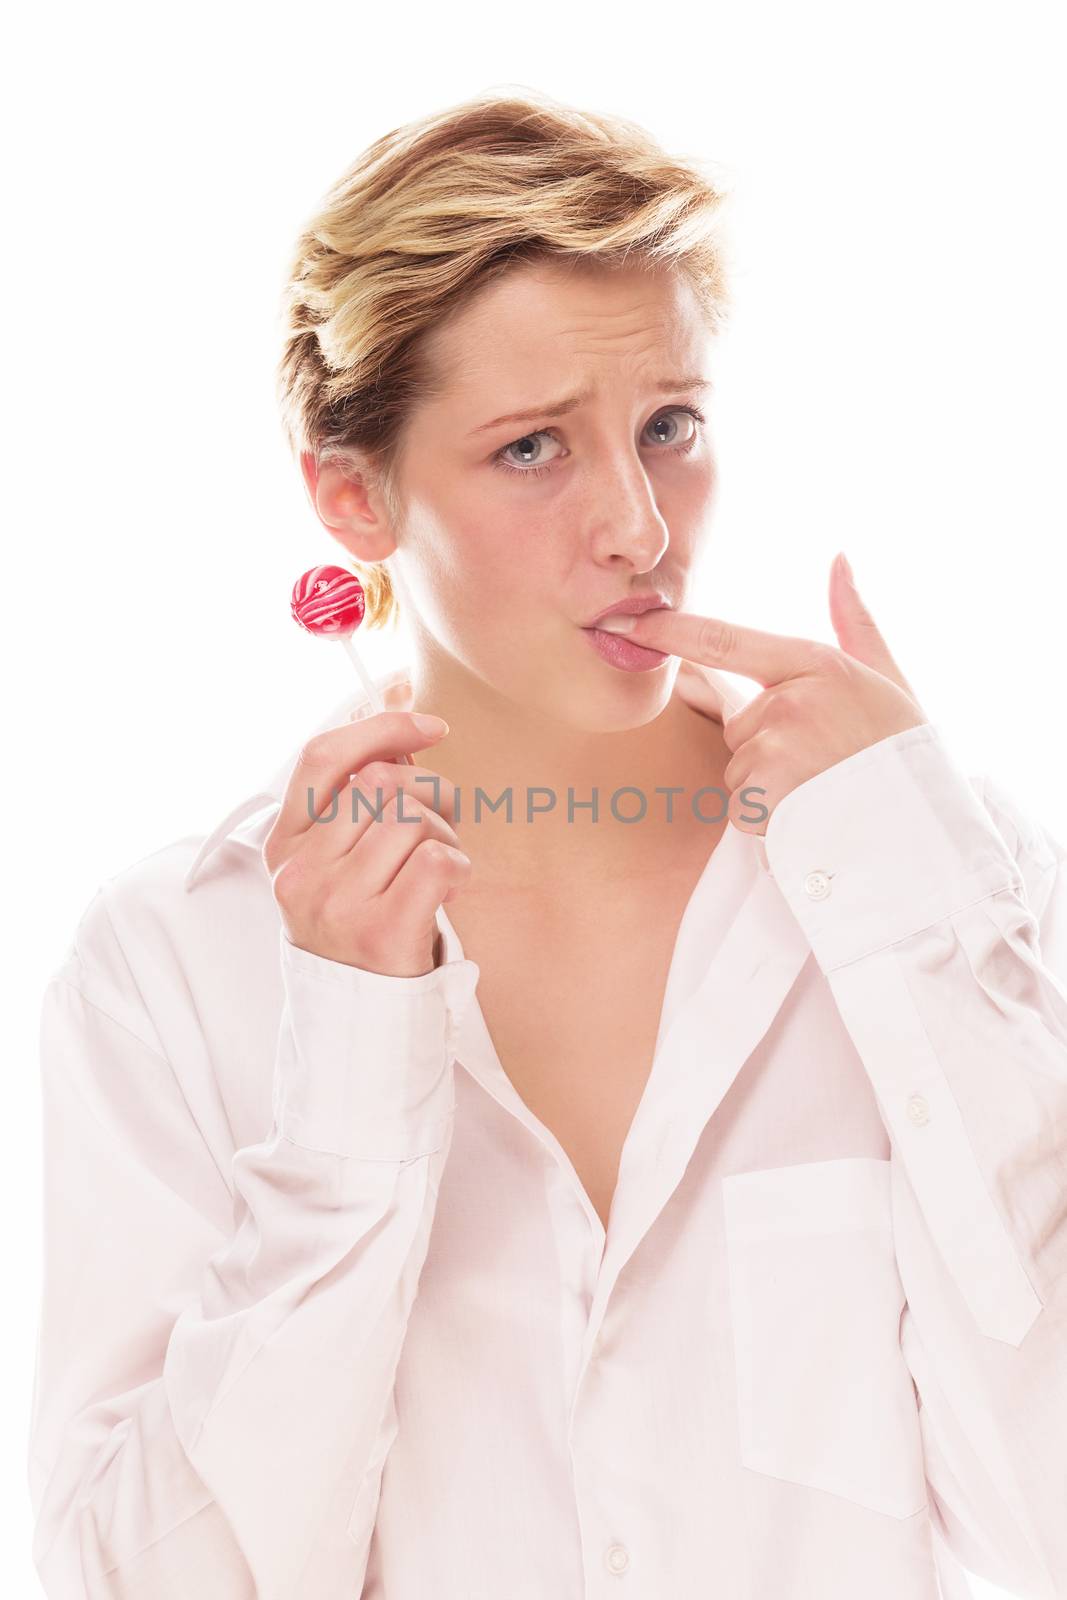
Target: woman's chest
pixel 572 996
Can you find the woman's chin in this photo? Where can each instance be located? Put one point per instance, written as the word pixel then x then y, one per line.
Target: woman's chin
pixel 605 699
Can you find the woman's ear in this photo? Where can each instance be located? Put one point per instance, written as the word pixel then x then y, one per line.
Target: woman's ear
pixel 348 507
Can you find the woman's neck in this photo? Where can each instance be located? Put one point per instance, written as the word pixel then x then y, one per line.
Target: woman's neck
pixel 552 774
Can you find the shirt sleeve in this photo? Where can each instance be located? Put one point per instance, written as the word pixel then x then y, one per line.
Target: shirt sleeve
pixel 213 1396
pixel 938 913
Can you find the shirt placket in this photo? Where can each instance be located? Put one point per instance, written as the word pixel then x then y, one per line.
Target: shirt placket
pixel 712 1035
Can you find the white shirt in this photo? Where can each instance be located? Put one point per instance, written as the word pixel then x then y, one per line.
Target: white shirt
pixel 328 1314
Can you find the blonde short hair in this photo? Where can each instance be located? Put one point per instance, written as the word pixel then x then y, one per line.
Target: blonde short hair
pixel 435 209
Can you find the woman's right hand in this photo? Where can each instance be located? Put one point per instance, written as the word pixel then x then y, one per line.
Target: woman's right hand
pixel 363 888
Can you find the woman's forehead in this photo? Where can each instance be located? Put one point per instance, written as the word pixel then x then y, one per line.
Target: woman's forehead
pixel 564 293
pixel 528 331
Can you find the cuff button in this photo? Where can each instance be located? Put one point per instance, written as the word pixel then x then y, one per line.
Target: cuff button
pixel 817 885
pixel 617 1558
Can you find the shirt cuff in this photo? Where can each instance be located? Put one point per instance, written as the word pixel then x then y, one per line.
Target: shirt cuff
pixel 882 844
pixel 364 1063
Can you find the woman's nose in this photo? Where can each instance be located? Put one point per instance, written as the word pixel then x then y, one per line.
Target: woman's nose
pixel 626 521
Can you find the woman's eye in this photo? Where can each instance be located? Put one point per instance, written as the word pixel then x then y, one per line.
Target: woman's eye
pixel 531 452
pixel 667 420
pixel 531 461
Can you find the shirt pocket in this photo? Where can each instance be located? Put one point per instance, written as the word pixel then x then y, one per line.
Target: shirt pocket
pixel 824 1396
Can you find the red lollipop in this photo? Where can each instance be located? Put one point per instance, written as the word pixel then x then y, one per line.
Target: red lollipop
pixel 329 602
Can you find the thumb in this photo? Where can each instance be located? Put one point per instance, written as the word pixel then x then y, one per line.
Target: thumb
pixel 857 632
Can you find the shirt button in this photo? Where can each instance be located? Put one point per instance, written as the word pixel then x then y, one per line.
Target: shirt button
pixel 617 1558
pixel 918 1110
pixel 816 886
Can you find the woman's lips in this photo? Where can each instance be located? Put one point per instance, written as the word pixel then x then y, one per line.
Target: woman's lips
pixel 621 652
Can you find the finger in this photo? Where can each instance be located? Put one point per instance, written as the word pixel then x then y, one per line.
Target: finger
pixel 384 846
pixel 432 873
pixel 325 764
pixel 740 726
pixel 767 657
pixel 752 766
pixel 421 783
pixel 339 828
pixel 857 632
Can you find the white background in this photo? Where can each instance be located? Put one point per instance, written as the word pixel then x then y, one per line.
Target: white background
pixel 893 386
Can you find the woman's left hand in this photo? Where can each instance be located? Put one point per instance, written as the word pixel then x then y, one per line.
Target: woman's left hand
pixel 819 704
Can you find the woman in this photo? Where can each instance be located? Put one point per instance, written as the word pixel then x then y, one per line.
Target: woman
pixel 716 1244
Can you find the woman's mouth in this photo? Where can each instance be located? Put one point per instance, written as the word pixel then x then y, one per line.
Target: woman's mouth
pixel 618 651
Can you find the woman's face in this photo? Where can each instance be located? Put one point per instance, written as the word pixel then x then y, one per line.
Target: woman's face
pixel 519 530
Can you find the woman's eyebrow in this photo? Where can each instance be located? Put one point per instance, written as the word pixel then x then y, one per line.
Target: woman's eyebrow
pixel 559 408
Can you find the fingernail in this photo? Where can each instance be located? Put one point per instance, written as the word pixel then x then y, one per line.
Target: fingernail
pixel 617 624
pixel 846 568
pixel 429 725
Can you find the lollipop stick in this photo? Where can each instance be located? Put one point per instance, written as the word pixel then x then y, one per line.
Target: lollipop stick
pixel 368 682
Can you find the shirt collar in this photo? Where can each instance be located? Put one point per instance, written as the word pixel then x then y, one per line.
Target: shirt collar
pixel 703 688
